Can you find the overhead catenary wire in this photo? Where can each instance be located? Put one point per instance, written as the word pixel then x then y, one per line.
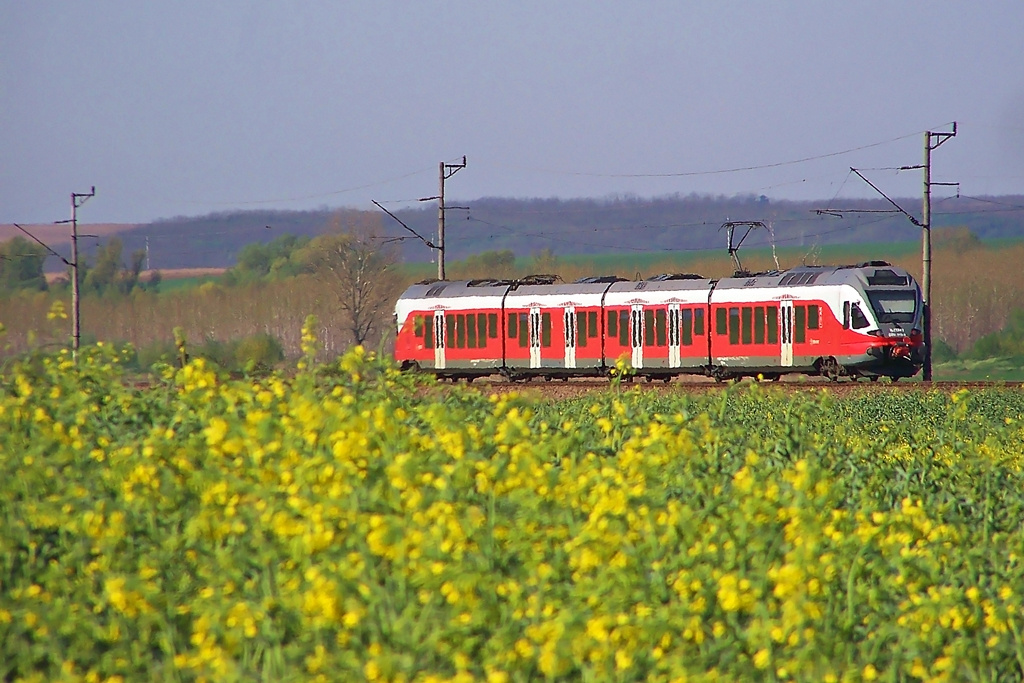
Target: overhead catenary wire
pixel 300 198
pixel 576 242
pixel 675 174
pixel 738 169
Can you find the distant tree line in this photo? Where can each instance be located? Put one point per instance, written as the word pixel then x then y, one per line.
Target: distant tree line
pixel 21 265
pixel 22 261
pixel 573 226
pixel 351 263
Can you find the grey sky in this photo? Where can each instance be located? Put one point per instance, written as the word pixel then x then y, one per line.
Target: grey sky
pixel 192 106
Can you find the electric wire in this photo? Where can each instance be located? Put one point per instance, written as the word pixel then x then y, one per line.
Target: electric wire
pixel 739 169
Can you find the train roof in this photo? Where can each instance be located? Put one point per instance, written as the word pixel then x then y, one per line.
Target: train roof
pixel 659 285
pixel 868 274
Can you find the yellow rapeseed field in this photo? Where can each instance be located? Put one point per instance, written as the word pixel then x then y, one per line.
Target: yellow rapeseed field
pixel 353 523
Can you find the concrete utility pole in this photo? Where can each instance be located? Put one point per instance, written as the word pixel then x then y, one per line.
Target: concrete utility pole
pixel 77 199
pixel 445 171
pixel 931 141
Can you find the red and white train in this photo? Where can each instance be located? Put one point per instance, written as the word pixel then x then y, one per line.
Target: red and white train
pixel 864 320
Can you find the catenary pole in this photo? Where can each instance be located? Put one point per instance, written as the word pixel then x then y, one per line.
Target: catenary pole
pixel 926 257
pixel 77 199
pixel 932 140
pixel 440 222
pixel 444 172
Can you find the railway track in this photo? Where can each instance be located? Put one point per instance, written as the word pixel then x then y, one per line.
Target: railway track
pixel 557 389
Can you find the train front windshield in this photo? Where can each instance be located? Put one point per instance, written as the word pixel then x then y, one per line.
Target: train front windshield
pixel 894 306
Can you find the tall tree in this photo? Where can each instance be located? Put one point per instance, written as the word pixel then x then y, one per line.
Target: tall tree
pixel 271 260
pixel 103 273
pixel 357 270
pixel 21 265
pixel 109 272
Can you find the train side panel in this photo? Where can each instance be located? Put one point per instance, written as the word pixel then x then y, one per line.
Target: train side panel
pixel 553 329
pixel 658 327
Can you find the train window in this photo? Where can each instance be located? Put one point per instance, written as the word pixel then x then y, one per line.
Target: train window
pixel 773 325
pixel 698 322
pixel 846 315
pixel 592 323
pixel 471 330
pixel 734 325
pixel 524 331
pixel 800 324
pixel 759 324
pixel 450 328
pixel 428 332
pixel 623 328
pixel 513 329
pixel 481 330
pixel 659 326
pixel 687 321
pixel 460 331
pixel 545 329
pixel 858 317
pixel 813 317
pixel 721 321
pixel 417 326
pixel 581 328
pixel 649 327
pixel 492 325
pixel 613 324
pixel 746 329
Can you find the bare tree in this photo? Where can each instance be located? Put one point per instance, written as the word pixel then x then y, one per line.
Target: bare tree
pixel 356 269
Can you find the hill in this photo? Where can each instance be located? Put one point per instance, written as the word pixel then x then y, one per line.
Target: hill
pixel 563 226
pixel 59 234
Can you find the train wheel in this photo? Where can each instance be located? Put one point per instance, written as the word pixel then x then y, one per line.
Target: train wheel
pixel 721 375
pixel 830 367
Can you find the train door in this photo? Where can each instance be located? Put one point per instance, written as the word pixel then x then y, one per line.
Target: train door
pixel 674 359
pixel 570 336
pixel 439 339
pixel 786 333
pixel 636 335
pixel 535 337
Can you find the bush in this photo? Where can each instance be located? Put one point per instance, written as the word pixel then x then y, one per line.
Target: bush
pixel 219 352
pixel 942 352
pixel 1007 342
pixel 258 353
pixel 157 352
